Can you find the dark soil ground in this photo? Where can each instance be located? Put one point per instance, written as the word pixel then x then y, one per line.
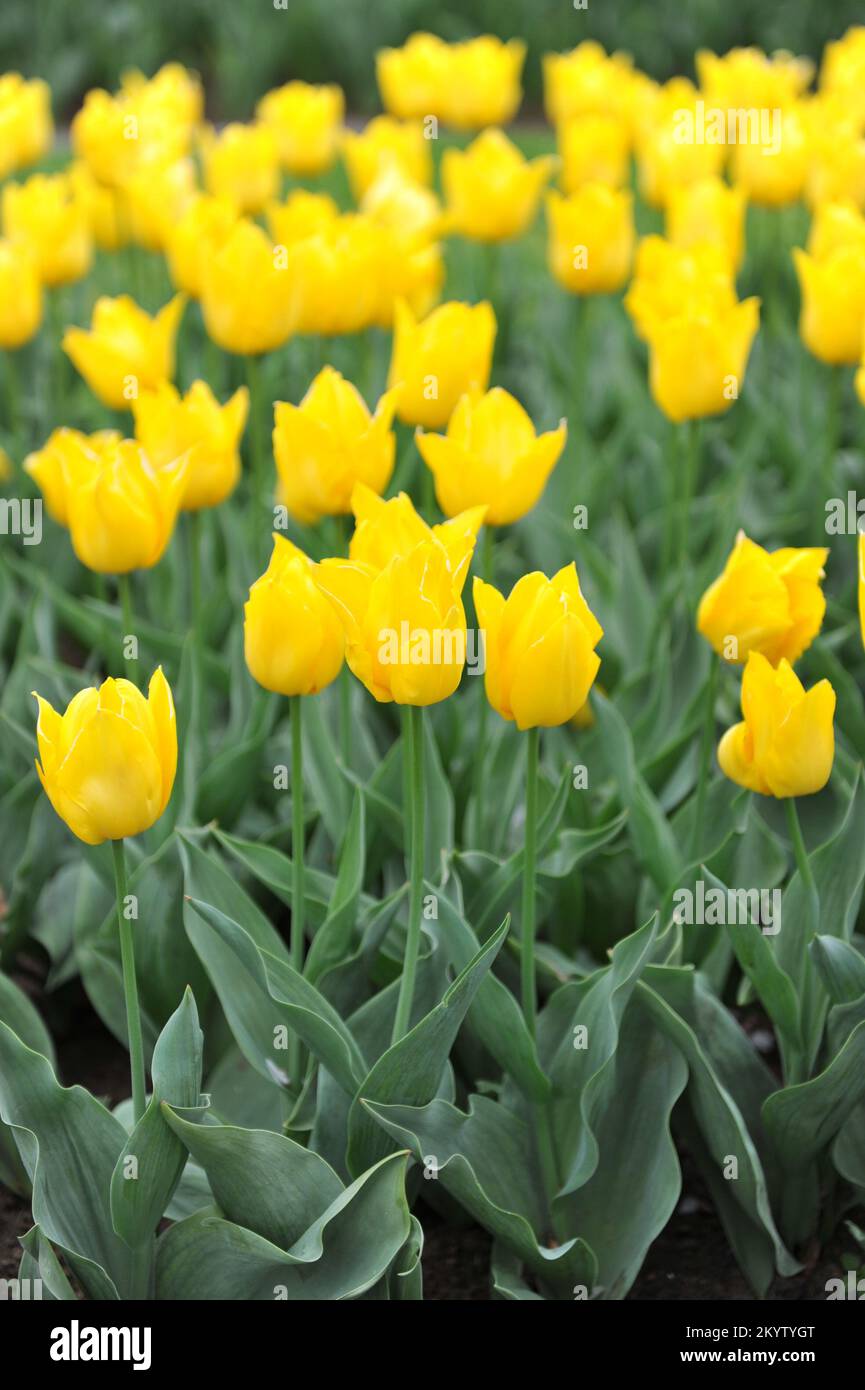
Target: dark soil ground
pixel 691 1258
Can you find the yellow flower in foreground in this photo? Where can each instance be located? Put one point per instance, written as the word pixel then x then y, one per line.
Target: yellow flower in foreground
pixel 785 746
pixel 833 303
pixel 386 144
pixel 697 359
pixel 405 626
pixel 26 127
pixel 108 763
pixel 491 456
pixel 595 148
pixel 765 602
pixel 293 639
pixel 437 359
pixel 590 239
pixel 708 211
pixel 49 466
pixel 330 442
pixel 668 280
pixel 201 230
pixel 306 121
pixel 120 511
pixel 48 217
pixel 385 529
pixel 240 164
pixel 247 294
pixel 195 427
pixel 124 351
pixel 539 646
pixel 491 190
pixel 20 295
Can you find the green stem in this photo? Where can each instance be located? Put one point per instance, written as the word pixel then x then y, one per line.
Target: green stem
pixel 415 835
pixel 124 588
pixel 296 944
pixel 705 755
pixel 800 855
pixel 258 481
pixel 690 441
pixel 834 415
pixel 130 987
pixel 527 951
pixel 13 398
pixel 480 766
pixel 193 531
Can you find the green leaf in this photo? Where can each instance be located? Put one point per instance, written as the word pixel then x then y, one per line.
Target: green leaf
pixel 39 1261
pixel 332 941
pixel 841 968
pixel 802 1120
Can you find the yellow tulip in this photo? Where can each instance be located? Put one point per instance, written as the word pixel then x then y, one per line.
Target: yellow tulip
pixel 26 127
pixel 590 238
pixel 104 134
pixel 20 295
pixel 708 211
pixel 247 293
pixel 398 203
pixel 330 442
pixel 586 81
pixel 467 85
pixel 241 164
pixel 170 101
pixel 386 144
pixel 306 122
pixel 668 154
pixel 842 72
pixel 156 196
pixel 774 177
pixel 836 165
pixel 104 206
pixel 491 457
pixel 120 511
pixel 697 359
pixel 785 745
pixel 195 427
pixel 491 191
pixel 437 359
pixel 762 602
pixel 405 626
pixel 667 278
pixel 108 763
pixel 49 466
pixel 748 77
pixel 47 216
pixel 200 231
pixel 539 645
pixel 303 214
pixel 125 350
pixel 412 270
pixel 385 529
pixel 293 639
pixel 595 148
pixel 833 303
pixel 337 274
pixel 834 225
pixel 411 79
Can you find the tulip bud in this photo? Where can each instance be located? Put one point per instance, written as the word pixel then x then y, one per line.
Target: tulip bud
pixel 768 603
pixel 438 359
pixel 590 238
pixel 491 457
pixel 306 122
pixel 46 215
pixel 833 303
pixel 539 648
pixel 293 641
pixel 698 359
pixel 108 763
pixel 120 511
pixel 330 442
pixel 125 351
pixel 25 119
pixel 785 745
pixel 247 295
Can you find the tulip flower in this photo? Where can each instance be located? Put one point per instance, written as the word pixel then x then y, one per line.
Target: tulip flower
pixel 698 359
pixel 590 238
pixel 294 646
pixel 595 148
pixel 337 275
pixel 104 206
pixel 785 745
pixel 46 216
pixel 586 81
pixel 748 77
pixel 836 157
pixel 467 85
pixel 411 79
pixel 384 529
pixel 107 766
pixel 125 351
pixel 302 215
pixel 241 165
pixel 834 225
pixel 20 295
pixel 120 511
pixel 774 175
pixel 382 145
pixel 198 234
pixel 667 277
pixel 708 211
pixel 155 198
pixel 491 456
pixel 195 426
pixel 50 466
pixel 395 201
pixel 330 442
pixel 247 295
pixel 438 359
pixel 666 160
pixel 833 303
pixel 842 73
pixel 26 127
pixel 541 662
pixel 771 603
pixel 491 190
pixel 306 122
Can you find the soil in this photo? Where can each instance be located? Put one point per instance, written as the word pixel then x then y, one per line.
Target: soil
pixel 689 1260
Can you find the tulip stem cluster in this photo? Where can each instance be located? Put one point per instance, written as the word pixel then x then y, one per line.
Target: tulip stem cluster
pixel 130 985
pixel 295 1057
pixel 414 751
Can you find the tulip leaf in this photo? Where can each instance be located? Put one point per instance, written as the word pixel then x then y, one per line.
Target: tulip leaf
pixel 321 771
pixel 39 1262
pixel 276 871
pixel 841 968
pixel 802 1120
pixel 332 941
pixel 207 878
